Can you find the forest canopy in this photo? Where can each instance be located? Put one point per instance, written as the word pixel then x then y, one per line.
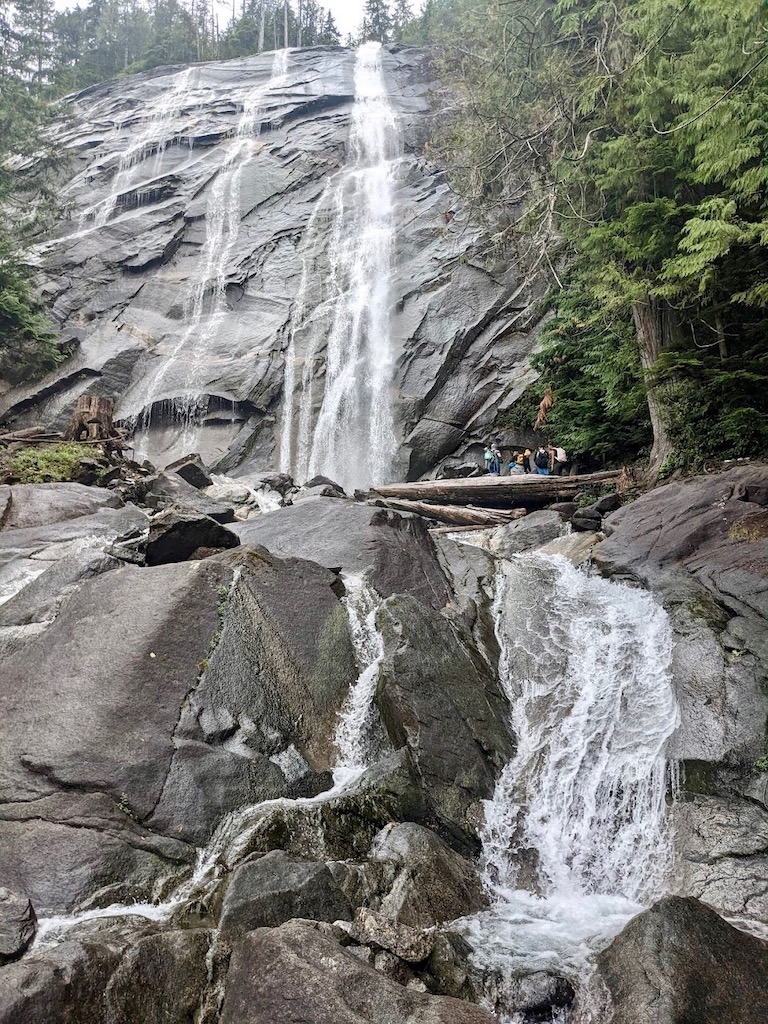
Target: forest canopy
pixel 630 142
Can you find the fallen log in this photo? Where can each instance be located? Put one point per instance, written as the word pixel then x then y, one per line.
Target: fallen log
pixel 458 529
pixel 456 514
pixel 497 492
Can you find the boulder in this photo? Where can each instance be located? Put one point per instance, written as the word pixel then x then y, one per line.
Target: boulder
pixel 282 664
pixel 33 505
pixel 160 979
pixel 439 698
pixel 586 520
pixel 679 962
pixel 396 551
pixel 269 891
pixel 281 975
pixel 432 882
pixel 608 503
pixel 564 509
pixel 324 481
pixel 371 928
pixel 192 470
pixel 175 535
pixel 18 924
pixel 113 971
pixel 169 489
pixel 525 534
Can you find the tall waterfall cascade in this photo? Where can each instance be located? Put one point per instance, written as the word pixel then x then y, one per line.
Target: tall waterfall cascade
pixel 227 843
pixel 576 839
pixel 352 437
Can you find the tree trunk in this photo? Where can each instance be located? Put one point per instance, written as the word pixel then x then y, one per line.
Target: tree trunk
pixel 285 25
pixel 649 325
pixel 262 24
pixel 722 345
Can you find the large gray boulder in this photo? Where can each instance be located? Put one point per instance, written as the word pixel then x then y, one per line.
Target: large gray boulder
pixel 269 891
pixel 114 972
pixel 30 505
pixel 395 551
pixel 152 705
pixel 439 698
pixel 432 883
pixel 18 924
pixel 281 975
pixel 680 963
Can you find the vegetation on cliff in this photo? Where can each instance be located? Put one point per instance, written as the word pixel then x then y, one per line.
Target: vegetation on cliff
pixel 629 141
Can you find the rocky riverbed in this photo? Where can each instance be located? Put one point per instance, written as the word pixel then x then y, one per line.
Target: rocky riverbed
pixel 187 835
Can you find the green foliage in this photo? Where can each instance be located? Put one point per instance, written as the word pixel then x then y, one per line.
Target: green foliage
pixel 52 463
pixel 635 135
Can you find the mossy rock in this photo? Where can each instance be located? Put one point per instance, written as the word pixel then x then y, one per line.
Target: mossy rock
pixel 44 464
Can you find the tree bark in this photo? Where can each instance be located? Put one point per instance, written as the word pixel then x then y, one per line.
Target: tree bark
pixel 92 420
pixel 649 326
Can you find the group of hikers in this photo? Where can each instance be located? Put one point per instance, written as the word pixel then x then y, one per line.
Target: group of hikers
pixel 551 459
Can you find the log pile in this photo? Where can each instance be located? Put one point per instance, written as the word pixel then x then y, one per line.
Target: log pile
pixel 495 492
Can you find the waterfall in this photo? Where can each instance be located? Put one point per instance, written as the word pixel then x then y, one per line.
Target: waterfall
pixel 206 303
pixel 353 440
pixel 575 840
pixel 352 732
pixel 150 140
pixel 234 830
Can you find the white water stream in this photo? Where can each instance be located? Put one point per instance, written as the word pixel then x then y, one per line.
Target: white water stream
pixel 353 438
pixel 233 833
pixel 149 140
pixel 576 839
pixel 206 302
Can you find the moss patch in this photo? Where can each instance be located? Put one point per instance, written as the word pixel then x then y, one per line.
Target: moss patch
pixel 750 528
pixel 51 463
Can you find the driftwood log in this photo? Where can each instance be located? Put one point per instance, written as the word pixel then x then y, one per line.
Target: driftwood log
pixel 497 492
pixel 456 514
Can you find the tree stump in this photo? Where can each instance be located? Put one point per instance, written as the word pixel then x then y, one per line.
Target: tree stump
pixel 92 420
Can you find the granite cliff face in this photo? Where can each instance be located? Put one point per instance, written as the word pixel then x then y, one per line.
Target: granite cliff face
pixel 199 246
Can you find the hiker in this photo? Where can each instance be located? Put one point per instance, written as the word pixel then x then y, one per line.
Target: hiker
pixel 496 459
pixel 541 461
pixel 516 464
pixel 527 460
pixel 488 458
pixel 559 459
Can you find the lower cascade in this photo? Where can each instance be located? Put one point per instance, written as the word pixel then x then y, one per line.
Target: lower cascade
pixel 576 838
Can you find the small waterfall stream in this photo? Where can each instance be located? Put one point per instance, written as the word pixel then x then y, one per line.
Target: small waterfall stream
pixel 575 840
pixel 233 832
pixel 149 142
pixel 353 440
pixel 206 303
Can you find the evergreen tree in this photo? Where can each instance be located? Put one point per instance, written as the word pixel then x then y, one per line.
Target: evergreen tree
pixel 402 15
pixel 330 35
pixel 377 22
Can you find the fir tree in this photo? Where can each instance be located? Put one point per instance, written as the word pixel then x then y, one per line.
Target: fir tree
pixel 377 22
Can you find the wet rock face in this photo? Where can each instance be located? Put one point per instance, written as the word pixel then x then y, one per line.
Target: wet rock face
pixel 679 962
pixel 120 272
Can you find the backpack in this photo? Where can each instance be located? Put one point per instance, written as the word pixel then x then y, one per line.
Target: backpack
pixel 541 459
